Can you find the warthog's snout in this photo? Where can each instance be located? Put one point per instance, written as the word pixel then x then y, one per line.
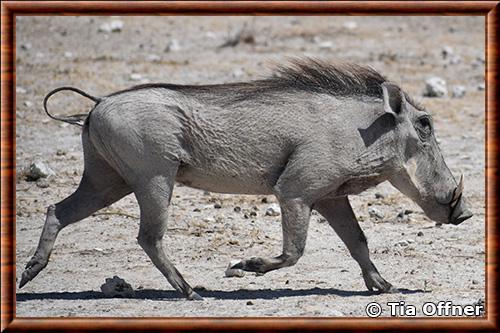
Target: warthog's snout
pixel 459 210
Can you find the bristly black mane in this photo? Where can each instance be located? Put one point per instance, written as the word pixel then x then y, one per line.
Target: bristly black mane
pixel 308 75
pixel 333 79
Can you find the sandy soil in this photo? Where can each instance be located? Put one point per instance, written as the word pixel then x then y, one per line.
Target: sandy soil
pixel 427 262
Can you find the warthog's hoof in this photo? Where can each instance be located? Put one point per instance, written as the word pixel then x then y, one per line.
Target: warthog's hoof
pixel 254 264
pixel 193 296
pixel 33 267
pixel 373 281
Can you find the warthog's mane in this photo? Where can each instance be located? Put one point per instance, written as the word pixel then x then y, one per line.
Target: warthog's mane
pixel 299 75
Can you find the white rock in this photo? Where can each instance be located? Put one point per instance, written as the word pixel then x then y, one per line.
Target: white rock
pixel 39 169
pixel 113 26
pixel 20 90
pixel 238 72
pixel 325 45
pixel 350 25
pixel 135 77
pixel 446 52
pixel 153 58
pixel 117 287
pixel 209 220
pixel 458 91
pixel 273 210
pixel 68 54
pixel 28 104
pixel 173 46
pixel 230 272
pixel 403 243
pixel 481 87
pixel 374 212
pixel 435 87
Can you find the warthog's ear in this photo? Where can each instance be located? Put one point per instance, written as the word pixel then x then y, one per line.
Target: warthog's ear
pixel 393 98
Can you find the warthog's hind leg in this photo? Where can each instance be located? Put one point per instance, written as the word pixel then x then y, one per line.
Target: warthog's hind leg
pixel 295 222
pixel 339 214
pixel 153 196
pixel 100 186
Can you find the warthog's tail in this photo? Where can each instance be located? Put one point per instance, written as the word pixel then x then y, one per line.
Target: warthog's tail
pixel 76 119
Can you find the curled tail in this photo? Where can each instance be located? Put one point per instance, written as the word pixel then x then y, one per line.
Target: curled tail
pixel 76 119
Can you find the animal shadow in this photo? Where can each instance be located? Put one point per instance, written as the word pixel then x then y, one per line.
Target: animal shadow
pixel 241 294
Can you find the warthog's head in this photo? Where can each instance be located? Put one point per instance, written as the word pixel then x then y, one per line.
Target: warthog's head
pixel 422 173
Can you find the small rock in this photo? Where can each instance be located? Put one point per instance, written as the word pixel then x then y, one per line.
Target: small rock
pixel 153 58
pixel 238 72
pixel 249 303
pixel 28 104
pixel 217 206
pixel 420 234
pixel 481 87
pixel 113 26
pixel 253 213
pixel 135 77
pixel 117 287
pixel 435 87
pixel 374 212
pixel 42 183
pixel 273 210
pixel 60 152
pixel 458 91
pixel 173 46
pixel 325 45
pixel 379 195
pixel 475 282
pixel 403 243
pixel 237 209
pixel 446 52
pixel 25 46
pixel 351 25
pixel 68 54
pixel 20 90
pixel 37 170
pixel 232 272
pixel 264 200
pixel 408 211
pixel 409 241
pixel 209 220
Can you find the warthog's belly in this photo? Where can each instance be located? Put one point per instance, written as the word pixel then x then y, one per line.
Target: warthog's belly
pixel 224 183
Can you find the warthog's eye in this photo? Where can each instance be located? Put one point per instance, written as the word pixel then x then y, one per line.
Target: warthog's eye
pixel 424 128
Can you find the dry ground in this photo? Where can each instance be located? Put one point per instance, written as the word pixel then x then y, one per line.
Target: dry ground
pixel 443 263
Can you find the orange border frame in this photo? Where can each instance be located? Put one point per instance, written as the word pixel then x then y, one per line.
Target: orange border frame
pixel 9 9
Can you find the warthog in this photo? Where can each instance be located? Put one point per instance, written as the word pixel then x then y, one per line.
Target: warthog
pixel 310 135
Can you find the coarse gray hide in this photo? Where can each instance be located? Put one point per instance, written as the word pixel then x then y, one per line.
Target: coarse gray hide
pixel 311 135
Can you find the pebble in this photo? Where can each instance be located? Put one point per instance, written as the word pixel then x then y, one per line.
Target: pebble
pixel 68 54
pixel 446 52
pixel 153 58
pixel 237 209
pixel 28 104
pixel 379 195
pixel 113 26
pixel 273 210
pixel 374 212
pixel 325 45
pixel 217 206
pixel 25 46
pixel 475 282
pixel 117 287
pixel 135 77
pixel 230 272
pixel 173 46
pixel 238 72
pixel 351 25
pixel 403 243
pixel 20 90
pixel 420 234
pixel 37 170
pixel 249 303
pixel 208 220
pixel 42 183
pixel 458 92
pixel 481 87
pixel 435 87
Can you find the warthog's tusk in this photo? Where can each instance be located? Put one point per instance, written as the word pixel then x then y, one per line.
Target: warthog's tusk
pixel 458 191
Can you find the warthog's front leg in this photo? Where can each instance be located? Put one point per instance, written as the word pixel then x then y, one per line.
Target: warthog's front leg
pixel 339 214
pixel 295 221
